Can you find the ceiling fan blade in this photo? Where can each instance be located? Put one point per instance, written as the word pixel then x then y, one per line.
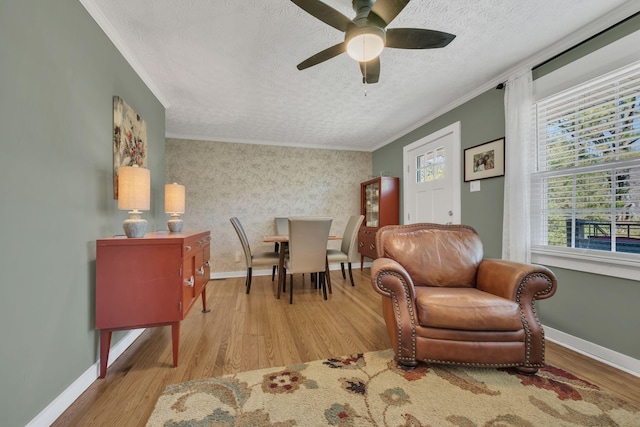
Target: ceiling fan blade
pixel 370 70
pixel 322 56
pixel 417 38
pixel 325 13
pixel 388 9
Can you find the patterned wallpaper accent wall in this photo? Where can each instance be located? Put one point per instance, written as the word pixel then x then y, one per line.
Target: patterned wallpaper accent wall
pixel 257 183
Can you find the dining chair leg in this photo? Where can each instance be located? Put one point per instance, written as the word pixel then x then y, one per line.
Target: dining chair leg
pixel 278 283
pixel 342 268
pixel 351 275
pixel 248 283
pixel 273 273
pixel 324 284
pixel 328 274
pixel 284 280
pixel 291 289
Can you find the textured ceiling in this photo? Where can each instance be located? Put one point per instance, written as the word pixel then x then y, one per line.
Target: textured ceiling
pixel 226 69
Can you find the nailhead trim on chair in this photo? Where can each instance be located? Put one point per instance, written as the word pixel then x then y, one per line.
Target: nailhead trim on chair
pixel 396 309
pixel 535 315
pixel 477 365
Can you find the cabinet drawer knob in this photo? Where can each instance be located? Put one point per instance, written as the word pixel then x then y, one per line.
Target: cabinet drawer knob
pixel 190 282
pixel 187 248
pixel 200 271
pixel 372 246
pixel 361 244
pixel 208 263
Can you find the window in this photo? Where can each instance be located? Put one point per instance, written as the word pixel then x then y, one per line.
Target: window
pixel 586 188
pixel 430 166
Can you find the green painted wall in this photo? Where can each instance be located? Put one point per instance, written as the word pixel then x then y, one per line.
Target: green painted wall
pixel 596 308
pixel 58 73
pixel 600 309
pixel 481 120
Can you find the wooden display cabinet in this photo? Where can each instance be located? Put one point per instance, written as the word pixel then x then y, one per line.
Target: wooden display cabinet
pixel 147 282
pixel 380 205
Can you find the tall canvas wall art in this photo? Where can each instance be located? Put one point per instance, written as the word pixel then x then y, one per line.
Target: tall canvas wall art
pixel 129 139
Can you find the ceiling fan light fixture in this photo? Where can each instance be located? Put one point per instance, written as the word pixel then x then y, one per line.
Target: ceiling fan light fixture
pixel 365 43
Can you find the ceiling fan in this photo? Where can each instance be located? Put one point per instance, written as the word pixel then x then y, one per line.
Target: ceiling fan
pixel 366 35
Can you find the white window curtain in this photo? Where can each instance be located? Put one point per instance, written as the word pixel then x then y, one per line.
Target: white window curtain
pixel 520 160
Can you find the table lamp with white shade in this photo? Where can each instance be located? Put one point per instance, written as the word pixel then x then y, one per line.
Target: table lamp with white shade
pixel 134 192
pixel 174 205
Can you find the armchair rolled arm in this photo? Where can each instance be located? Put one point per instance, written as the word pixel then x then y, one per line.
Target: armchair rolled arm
pixel 392 281
pixel 388 276
pixel 524 284
pixel 515 280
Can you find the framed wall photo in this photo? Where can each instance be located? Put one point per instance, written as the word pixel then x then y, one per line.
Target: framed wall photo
pixel 484 160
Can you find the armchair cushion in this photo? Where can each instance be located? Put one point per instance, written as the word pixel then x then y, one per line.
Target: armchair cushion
pixel 452 260
pixel 466 309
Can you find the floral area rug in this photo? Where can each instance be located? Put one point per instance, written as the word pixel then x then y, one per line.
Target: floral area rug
pixel 369 390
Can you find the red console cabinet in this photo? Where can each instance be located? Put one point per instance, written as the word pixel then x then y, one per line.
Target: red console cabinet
pixel 147 282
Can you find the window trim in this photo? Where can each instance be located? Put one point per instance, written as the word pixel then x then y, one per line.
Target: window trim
pixel 593 66
pixel 613 264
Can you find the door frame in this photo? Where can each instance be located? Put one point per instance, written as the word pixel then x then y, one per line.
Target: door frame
pixel 454 130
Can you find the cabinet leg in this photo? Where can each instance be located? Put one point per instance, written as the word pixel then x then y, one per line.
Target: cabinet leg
pixel 105 344
pixel 175 338
pixel 204 299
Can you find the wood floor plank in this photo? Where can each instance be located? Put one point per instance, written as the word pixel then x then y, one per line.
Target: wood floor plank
pixel 245 332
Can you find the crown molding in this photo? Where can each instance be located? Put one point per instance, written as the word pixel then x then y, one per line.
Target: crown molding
pixel 115 38
pixel 212 138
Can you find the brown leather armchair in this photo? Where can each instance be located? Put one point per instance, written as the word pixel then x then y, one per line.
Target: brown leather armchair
pixel 443 303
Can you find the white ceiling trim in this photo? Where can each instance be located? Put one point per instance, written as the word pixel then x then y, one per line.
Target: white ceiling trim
pixel 115 38
pixel 628 9
pixel 259 142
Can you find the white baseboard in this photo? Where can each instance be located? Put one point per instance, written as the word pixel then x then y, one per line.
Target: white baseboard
pixel 67 397
pixel 602 354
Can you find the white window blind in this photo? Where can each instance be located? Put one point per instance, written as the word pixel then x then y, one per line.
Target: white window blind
pixel 586 188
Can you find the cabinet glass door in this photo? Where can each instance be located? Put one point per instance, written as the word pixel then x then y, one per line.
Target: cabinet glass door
pixel 372 204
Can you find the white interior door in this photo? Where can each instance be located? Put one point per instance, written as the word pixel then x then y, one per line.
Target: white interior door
pixel 432 178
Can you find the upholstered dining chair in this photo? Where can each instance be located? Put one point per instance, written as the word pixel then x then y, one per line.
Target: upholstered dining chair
pixel 348 249
pixel 308 237
pixel 443 302
pixel 264 258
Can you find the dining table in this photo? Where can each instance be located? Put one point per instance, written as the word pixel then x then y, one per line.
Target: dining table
pixel 283 243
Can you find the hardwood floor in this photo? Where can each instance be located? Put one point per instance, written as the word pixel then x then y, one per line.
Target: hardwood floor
pixel 244 332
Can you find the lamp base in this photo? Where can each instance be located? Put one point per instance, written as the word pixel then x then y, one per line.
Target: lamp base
pixel 135 226
pixel 175 225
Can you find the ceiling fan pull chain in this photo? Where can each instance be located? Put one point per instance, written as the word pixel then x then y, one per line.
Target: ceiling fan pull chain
pixel 364 79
